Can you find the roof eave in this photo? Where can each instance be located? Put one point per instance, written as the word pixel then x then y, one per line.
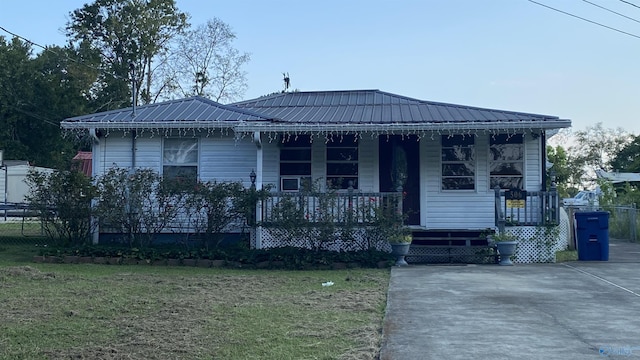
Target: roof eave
pixel 445 126
pixel 71 125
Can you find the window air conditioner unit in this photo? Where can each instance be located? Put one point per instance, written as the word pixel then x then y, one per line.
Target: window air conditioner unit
pixel 290 184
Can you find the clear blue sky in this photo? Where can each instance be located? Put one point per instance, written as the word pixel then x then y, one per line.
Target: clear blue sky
pixel 501 54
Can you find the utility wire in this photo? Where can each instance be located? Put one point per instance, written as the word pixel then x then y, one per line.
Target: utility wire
pixel 611 11
pixel 587 20
pixel 632 4
pixel 48 49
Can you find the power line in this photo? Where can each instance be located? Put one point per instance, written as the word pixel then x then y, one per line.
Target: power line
pixel 632 4
pixel 611 11
pixel 587 20
pixel 48 49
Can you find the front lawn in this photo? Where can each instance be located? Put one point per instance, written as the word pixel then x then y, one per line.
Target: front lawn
pixel 87 311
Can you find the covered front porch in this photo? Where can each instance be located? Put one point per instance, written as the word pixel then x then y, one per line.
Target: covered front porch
pixel 343 221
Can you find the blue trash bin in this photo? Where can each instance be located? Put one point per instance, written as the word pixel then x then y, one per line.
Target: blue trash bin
pixel 592 233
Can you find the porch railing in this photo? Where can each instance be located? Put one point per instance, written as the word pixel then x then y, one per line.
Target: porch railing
pixel 340 208
pixel 533 208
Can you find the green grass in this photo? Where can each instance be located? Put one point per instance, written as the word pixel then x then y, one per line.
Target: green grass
pixel 19 229
pixel 149 312
pixel 566 255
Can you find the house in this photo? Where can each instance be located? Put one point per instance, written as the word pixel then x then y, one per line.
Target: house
pixel 13 181
pixel 446 160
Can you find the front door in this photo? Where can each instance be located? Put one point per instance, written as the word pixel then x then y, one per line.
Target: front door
pixel 400 165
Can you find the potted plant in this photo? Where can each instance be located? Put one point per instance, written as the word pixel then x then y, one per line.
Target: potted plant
pixel 400 242
pixel 506 244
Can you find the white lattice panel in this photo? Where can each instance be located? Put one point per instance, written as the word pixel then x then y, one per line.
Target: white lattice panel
pixel 454 254
pixel 275 237
pixel 534 246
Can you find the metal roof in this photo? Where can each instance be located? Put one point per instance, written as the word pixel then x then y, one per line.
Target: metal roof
pixel 193 111
pixel 375 107
pixel 317 111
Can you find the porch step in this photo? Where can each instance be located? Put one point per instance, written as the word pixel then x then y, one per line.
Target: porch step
pixel 450 246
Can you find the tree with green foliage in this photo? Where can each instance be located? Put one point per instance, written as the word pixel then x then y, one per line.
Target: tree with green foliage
pixel 62 201
pixel 36 92
pixel 596 146
pixel 628 158
pixel 134 32
pixel 567 172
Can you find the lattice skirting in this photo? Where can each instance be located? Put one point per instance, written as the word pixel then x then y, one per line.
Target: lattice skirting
pixel 535 245
pixel 312 238
pixel 454 254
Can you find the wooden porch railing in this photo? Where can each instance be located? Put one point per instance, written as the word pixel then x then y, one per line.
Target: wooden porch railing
pixel 342 208
pixel 534 208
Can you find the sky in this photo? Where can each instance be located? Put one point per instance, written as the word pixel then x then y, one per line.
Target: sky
pixel 500 54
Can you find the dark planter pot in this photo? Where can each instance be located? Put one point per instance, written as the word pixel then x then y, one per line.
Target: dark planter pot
pixel 506 249
pixel 400 251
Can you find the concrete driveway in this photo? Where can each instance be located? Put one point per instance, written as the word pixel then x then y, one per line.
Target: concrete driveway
pixel 575 310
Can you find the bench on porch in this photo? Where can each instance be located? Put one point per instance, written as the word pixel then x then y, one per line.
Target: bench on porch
pixel 451 246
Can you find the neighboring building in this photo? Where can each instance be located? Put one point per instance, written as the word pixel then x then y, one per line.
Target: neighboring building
pixel 82 162
pixel 447 158
pixel 14 175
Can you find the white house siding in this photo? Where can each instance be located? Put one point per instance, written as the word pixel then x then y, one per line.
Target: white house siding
pixel 473 209
pixel 271 164
pixel 368 178
pixel 532 163
pixel 227 159
pixel 113 151
pixel 319 161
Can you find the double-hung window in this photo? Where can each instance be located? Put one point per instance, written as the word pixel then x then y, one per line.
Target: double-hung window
pixel 458 162
pixel 180 159
pixel 295 162
pixel 342 162
pixel 506 161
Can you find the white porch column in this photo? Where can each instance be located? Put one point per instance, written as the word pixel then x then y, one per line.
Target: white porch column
pixel 259 154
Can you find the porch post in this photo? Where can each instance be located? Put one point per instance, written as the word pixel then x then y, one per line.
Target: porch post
pixel 259 160
pixel 500 220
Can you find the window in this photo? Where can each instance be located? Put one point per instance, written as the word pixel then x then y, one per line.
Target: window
pixel 458 162
pixel 342 162
pixel 295 162
pixel 180 159
pixel 506 161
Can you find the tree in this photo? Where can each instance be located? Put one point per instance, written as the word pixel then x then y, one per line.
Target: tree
pixel 628 159
pixel 596 146
pixel 134 32
pixel 36 92
pixel 567 172
pixel 206 64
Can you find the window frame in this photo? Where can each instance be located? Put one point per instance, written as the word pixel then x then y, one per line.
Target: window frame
pixel 348 143
pixel 520 140
pixel 195 164
pixel 301 144
pixel 444 139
